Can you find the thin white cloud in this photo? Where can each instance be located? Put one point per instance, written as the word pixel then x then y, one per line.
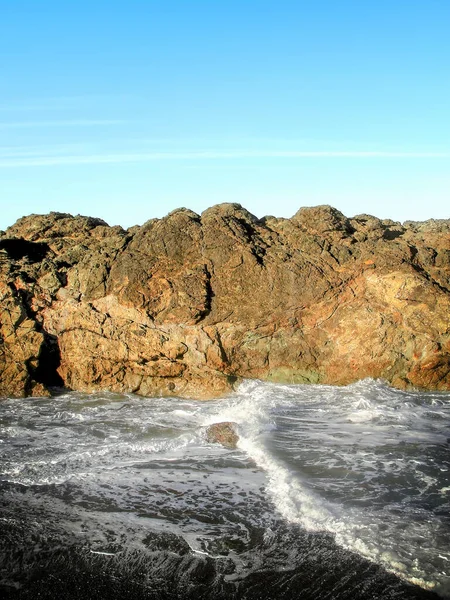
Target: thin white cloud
pixel 67 123
pixel 86 148
pixel 64 102
pixel 60 160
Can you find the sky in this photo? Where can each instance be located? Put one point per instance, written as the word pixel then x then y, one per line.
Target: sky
pixel 128 110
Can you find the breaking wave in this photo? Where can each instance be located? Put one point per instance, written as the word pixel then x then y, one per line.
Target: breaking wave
pixel 364 468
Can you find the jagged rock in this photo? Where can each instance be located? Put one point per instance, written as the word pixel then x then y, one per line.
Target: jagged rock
pixel 189 304
pixel 323 219
pixel 223 433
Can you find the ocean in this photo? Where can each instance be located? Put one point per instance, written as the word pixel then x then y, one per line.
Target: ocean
pixel 332 493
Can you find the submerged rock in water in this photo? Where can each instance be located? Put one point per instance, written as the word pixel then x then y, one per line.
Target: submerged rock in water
pixel 223 433
pixel 187 305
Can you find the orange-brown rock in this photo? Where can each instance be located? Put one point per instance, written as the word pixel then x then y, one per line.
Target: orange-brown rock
pixel 223 433
pixel 187 305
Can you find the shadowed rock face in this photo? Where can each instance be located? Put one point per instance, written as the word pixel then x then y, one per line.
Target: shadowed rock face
pixel 188 304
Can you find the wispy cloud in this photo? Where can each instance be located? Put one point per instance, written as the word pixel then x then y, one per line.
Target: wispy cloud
pixel 64 102
pixel 66 123
pixel 54 160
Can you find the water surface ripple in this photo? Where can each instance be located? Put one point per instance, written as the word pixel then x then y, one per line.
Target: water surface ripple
pixel 333 492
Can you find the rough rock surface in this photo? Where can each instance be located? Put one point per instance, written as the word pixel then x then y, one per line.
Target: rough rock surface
pixel 223 433
pixel 187 305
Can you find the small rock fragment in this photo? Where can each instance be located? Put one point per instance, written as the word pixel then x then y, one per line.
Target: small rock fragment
pixel 223 433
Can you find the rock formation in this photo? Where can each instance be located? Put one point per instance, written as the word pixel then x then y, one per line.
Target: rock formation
pixel 223 433
pixel 187 305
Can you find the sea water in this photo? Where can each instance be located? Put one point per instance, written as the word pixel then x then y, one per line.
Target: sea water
pixel 332 492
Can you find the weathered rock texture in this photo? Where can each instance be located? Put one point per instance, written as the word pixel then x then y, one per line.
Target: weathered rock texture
pixel 223 433
pixel 188 304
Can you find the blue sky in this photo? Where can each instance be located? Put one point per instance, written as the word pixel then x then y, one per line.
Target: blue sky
pixel 127 110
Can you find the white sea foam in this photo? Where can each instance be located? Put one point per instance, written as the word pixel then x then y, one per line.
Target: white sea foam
pixel 382 532
pixel 366 463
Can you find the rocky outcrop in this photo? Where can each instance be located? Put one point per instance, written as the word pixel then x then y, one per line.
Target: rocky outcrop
pixel 187 305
